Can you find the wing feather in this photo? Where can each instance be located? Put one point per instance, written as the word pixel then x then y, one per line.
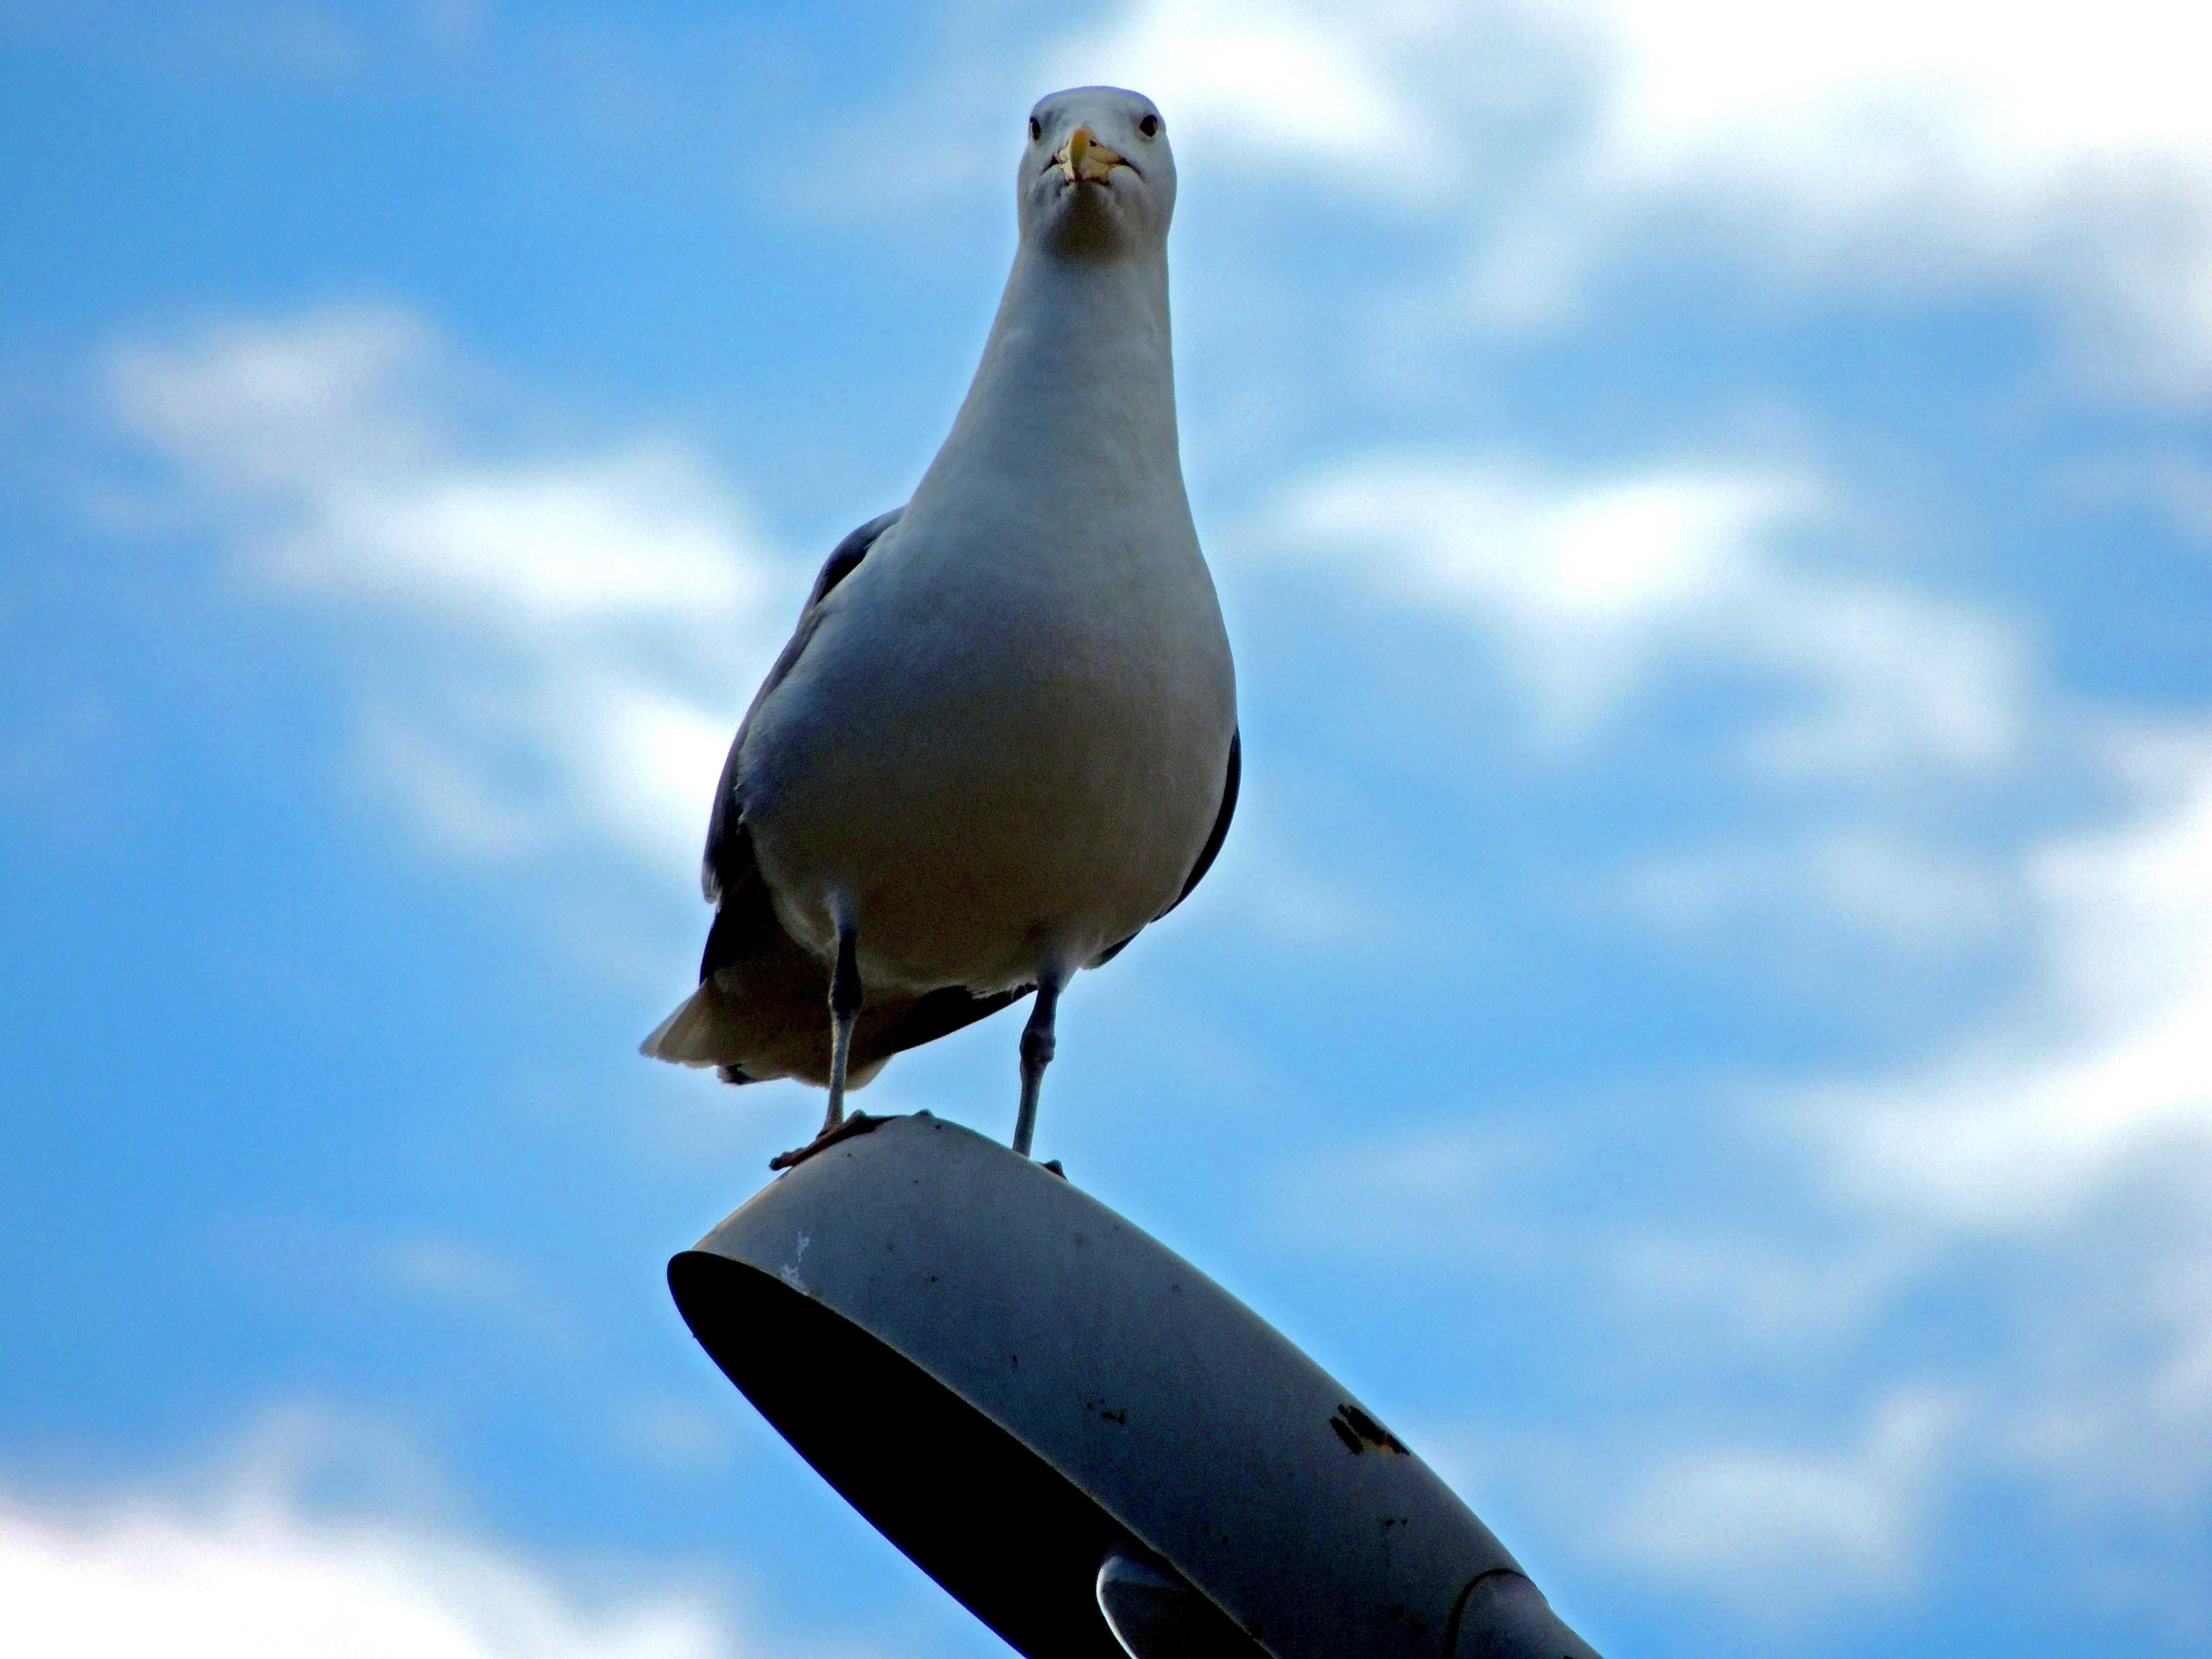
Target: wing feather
pixel 722 868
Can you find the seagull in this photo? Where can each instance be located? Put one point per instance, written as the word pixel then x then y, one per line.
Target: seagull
pixel 1003 737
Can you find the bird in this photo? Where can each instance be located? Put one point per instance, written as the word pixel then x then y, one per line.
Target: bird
pixel 1003 737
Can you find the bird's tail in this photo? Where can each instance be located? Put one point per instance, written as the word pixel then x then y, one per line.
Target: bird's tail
pixel 701 1032
pixel 763 1012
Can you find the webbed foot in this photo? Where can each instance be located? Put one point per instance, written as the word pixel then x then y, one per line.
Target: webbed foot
pixel 858 1124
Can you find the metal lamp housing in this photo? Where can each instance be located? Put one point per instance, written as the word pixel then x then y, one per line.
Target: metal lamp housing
pixel 1090 1445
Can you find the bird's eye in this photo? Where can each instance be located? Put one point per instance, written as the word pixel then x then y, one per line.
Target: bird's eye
pixel 1150 126
pixel 1036 128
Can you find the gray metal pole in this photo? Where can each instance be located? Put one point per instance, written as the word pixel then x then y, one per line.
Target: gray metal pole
pixel 1076 1432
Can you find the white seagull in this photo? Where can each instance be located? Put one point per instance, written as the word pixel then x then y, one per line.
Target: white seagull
pixel 1003 737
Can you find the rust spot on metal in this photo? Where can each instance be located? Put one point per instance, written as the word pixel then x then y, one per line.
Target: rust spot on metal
pixel 1344 1433
pixel 1372 1432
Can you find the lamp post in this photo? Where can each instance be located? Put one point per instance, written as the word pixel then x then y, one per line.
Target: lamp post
pixel 1090 1445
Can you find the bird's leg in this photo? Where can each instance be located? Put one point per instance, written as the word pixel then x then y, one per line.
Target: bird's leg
pixel 844 1010
pixel 1037 1055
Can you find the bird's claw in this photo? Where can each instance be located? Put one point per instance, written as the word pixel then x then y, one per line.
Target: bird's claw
pixel 858 1124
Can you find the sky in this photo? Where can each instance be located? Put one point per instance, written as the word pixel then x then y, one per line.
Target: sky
pixel 1704 1016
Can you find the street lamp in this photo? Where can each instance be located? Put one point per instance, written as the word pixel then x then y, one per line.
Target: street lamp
pixel 1090 1445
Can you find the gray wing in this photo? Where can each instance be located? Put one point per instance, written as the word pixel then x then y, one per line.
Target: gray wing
pixel 728 859
pixel 758 1009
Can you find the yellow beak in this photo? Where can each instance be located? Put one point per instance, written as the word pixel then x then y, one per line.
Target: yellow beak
pixel 1083 157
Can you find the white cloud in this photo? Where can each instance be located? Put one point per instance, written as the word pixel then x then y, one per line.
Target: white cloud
pixel 1918 94
pixel 583 624
pixel 1943 144
pixel 1595 588
pixel 2076 1133
pixel 253 1581
pixel 1797 896
pixel 1286 84
pixel 2052 1169
pixel 1462 1192
pixel 2103 1073
pixel 1775 1526
pixel 482 1287
pixel 331 1533
pixel 254 1574
pixel 1782 1528
pixel 1300 903
pixel 677 1436
pixel 1904 147
pixel 1510 1197
pixel 2046 1158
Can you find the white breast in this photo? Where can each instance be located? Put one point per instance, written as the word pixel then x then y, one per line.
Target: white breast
pixel 1001 751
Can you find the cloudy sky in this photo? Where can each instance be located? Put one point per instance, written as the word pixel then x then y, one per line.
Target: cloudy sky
pixel 1704 1019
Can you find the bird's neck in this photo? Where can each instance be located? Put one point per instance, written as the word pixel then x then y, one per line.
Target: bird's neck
pixel 1076 382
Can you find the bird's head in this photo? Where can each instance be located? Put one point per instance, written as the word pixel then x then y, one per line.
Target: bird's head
pixel 1097 178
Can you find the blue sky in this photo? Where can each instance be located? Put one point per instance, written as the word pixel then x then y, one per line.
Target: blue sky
pixel 1703 1018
